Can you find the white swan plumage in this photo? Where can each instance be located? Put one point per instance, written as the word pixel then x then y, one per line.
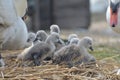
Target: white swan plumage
pixel 13 31
pixel 21 7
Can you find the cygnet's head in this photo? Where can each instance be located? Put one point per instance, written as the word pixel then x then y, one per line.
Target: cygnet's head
pixel 86 42
pixel 72 36
pixel 74 41
pixel 54 28
pixel 54 37
pixel 31 37
pixel 41 35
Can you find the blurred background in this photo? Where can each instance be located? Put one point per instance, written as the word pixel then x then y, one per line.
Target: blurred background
pixel 68 14
pixel 82 17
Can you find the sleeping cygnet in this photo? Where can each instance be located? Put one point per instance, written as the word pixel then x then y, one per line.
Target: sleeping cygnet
pixel 31 38
pixel 75 54
pixel 41 35
pixel 41 50
pixel 55 29
pixel 70 37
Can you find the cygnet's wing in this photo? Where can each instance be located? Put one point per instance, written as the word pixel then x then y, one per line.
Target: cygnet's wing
pixel 41 49
pixel 59 45
pixel 88 58
pixel 58 55
pixel 61 52
pixel 67 54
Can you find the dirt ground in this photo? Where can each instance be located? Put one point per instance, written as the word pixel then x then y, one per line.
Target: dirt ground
pixel 106 51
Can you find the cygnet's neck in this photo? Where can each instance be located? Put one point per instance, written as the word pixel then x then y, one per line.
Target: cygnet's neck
pixel 48 40
pixel 82 47
pixel 44 38
pixel 32 44
pixel 51 43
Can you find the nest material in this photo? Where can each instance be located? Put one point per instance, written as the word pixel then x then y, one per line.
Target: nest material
pixel 102 70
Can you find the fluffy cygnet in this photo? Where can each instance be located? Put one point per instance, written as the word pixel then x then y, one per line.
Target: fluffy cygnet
pixel 74 55
pixel 54 28
pixel 41 35
pixel 41 50
pixel 31 38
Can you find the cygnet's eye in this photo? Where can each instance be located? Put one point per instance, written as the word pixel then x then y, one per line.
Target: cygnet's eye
pixel 57 37
pixel 40 39
pixel 57 40
pixel 30 37
pixel 37 36
pixel 90 43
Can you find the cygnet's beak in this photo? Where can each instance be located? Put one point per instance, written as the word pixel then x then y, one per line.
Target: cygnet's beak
pixel 28 40
pixel 59 41
pixel 91 48
pixel 68 42
pixel 35 39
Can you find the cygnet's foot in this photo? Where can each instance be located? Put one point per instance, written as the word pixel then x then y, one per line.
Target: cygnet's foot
pixel 70 65
pixel 37 63
pixel 48 59
pixel 36 60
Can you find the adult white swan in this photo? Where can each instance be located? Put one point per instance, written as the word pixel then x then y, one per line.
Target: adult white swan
pixel 113 15
pixel 13 31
